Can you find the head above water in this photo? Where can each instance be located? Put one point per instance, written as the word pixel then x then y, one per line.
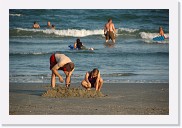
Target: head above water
pixel 35 22
pixel 48 23
pixel 95 72
pixel 78 40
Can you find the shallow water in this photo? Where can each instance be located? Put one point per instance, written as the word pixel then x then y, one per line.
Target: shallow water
pixel 134 57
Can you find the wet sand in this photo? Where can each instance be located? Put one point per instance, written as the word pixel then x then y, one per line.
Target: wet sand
pixel 117 99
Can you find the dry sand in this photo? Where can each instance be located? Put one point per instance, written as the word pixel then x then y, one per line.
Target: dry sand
pixel 114 99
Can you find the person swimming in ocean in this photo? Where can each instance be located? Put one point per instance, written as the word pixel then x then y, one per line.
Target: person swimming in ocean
pixel 109 31
pixel 78 44
pixel 36 25
pixel 93 80
pixel 53 27
pixel 49 24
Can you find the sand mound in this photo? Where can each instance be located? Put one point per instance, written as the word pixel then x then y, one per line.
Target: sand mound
pixel 62 92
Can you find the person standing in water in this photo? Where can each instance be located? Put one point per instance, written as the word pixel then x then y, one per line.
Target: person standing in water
pixel 109 31
pixel 93 80
pixel 60 61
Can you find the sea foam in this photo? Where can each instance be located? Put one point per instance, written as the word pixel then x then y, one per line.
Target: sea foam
pixel 15 14
pixel 145 35
pixel 76 32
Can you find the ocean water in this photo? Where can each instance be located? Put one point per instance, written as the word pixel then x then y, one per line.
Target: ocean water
pixel 134 58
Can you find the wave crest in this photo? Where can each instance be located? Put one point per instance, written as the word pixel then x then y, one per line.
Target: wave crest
pixel 15 14
pixel 74 32
pixel 82 32
pixel 145 35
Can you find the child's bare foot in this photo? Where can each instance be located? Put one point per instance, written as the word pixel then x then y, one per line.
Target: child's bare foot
pixel 67 85
pixel 53 87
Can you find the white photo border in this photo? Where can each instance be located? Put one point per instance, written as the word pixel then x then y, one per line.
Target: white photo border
pixel 171 119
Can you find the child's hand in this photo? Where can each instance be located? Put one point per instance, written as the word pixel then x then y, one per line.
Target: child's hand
pixel 61 79
pixel 89 84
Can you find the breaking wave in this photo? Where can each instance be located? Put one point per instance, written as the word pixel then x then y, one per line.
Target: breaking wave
pixel 17 32
pixel 15 14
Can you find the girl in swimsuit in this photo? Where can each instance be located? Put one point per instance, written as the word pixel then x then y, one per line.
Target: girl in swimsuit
pixel 93 80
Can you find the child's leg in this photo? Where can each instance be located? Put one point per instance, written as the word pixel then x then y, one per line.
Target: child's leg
pixel 100 83
pixel 53 80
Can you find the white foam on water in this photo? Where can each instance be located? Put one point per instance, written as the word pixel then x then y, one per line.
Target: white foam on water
pixel 30 53
pixel 15 14
pixel 145 35
pixel 76 32
pixel 129 30
pixel 28 30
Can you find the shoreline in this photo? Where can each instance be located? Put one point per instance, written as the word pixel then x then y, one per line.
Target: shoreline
pixel 120 99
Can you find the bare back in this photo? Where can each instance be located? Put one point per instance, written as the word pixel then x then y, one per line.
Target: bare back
pixel 161 32
pixel 62 59
pixel 109 27
pixel 36 26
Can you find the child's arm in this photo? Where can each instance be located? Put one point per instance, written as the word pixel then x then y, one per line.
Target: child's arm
pixel 68 78
pixel 97 82
pixel 75 45
pixel 86 77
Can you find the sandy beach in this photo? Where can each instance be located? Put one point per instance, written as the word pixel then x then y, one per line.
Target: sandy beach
pixel 118 99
